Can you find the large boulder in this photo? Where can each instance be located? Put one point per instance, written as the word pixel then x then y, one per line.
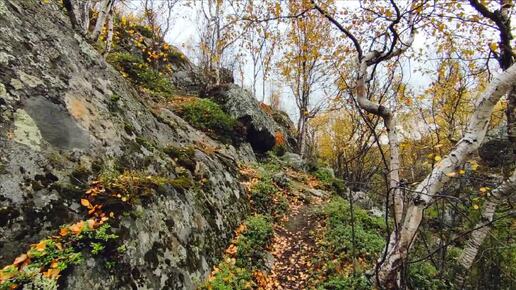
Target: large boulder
pixel 262 129
pixel 66 116
pixel 497 152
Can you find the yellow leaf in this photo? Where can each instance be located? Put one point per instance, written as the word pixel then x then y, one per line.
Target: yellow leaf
pixel 462 172
pixel 437 158
pixel 451 174
pixel 85 203
pixel 388 13
pixel 493 46
pixel 475 206
pixel 41 246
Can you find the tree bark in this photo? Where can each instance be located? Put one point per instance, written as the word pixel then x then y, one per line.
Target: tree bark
pixel 109 38
pixel 511 117
pixel 399 244
pixel 104 10
pixel 477 237
pixel 390 125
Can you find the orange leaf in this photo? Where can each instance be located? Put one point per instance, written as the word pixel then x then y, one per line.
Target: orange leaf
pixel 52 273
pixel 77 227
pixel 63 232
pixel 41 246
pixel 231 250
pixel 20 259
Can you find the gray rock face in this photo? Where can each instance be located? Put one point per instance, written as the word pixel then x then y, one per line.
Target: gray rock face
pixel 294 160
pixel 60 127
pixel 240 104
pixel 361 198
pixel 497 152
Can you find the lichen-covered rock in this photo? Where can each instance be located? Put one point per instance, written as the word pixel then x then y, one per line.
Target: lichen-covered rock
pixel 294 160
pixel 262 129
pixel 66 117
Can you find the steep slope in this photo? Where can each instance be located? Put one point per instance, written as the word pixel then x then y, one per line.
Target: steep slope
pixel 69 118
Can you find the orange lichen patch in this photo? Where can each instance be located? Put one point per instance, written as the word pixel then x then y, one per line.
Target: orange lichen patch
pixel 77 109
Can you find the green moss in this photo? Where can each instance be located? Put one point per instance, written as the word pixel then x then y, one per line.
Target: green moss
pixel 186 152
pixel 146 143
pixel 181 183
pixel 184 156
pixel 207 115
pixel 145 31
pixel 141 73
pixel 129 128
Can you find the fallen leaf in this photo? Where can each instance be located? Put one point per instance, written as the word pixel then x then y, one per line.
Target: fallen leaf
pixel 41 246
pixel 20 259
pixel 86 203
pixel 77 227
pixel 52 273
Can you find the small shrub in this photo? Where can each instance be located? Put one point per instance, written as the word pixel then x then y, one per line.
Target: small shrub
pixel 425 276
pixel 41 265
pixel 229 277
pixel 134 67
pixel 368 230
pixel 325 175
pixel 262 195
pixel 253 241
pixel 359 282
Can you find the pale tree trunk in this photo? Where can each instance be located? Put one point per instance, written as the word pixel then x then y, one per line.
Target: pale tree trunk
pixel 85 15
pixel 109 38
pixel 482 228
pixel 400 244
pixel 301 135
pixel 74 13
pixel 390 125
pixel 104 10
pixel 511 117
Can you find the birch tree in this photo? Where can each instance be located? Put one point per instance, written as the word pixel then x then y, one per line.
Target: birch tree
pixel 393 46
pixel 304 65
pixel 497 196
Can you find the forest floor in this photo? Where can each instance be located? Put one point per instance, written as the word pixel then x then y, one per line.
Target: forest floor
pixel 294 246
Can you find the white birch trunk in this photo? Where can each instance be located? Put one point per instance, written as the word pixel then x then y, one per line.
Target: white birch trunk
pixel 390 125
pixel 477 237
pixel 104 10
pixel 474 135
pixel 85 14
pixel 109 38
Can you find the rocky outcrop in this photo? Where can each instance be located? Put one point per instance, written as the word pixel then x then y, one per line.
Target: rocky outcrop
pixel 261 127
pixel 66 117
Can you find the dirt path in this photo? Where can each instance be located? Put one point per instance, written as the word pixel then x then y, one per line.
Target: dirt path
pixel 293 249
